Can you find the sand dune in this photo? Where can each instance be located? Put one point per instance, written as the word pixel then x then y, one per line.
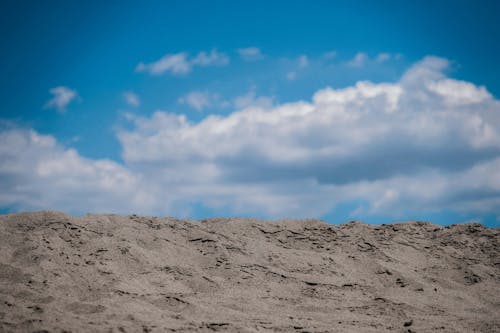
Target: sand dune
pixel 109 273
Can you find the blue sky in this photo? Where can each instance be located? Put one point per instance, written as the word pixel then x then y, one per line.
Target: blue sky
pixel 378 111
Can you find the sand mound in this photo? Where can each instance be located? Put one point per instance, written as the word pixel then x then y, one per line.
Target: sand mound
pixel 108 273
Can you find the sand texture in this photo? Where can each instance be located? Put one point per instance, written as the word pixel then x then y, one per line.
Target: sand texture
pixel 110 273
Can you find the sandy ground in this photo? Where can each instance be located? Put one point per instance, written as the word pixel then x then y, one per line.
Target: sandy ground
pixel 109 273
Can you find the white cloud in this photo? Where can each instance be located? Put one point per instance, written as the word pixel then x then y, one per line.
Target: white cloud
pixel 200 100
pixel 181 64
pixel 250 53
pixel 63 96
pixel 358 60
pixel 250 99
pixel 174 63
pixel 36 172
pixel 424 143
pixel 456 93
pixel 392 144
pixel 131 98
pixel 213 58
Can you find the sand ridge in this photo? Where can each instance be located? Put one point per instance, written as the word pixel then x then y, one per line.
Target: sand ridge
pixel 111 273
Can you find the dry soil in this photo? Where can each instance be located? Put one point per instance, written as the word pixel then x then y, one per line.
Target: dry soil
pixel 109 273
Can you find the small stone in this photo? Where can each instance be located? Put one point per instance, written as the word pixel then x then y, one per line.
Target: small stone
pixel 408 323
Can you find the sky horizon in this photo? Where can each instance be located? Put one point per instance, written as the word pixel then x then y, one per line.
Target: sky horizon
pixel 374 111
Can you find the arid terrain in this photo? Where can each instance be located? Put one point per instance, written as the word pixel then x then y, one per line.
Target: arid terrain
pixel 110 273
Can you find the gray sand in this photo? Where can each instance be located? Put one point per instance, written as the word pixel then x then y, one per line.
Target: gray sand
pixel 108 273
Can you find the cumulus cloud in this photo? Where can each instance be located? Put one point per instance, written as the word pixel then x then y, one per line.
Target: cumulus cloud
pixel 250 53
pixel 63 96
pixel 131 98
pixel 422 144
pixel 346 144
pixel 36 172
pixel 181 63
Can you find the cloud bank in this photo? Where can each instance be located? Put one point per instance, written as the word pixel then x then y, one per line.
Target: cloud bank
pixel 422 144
